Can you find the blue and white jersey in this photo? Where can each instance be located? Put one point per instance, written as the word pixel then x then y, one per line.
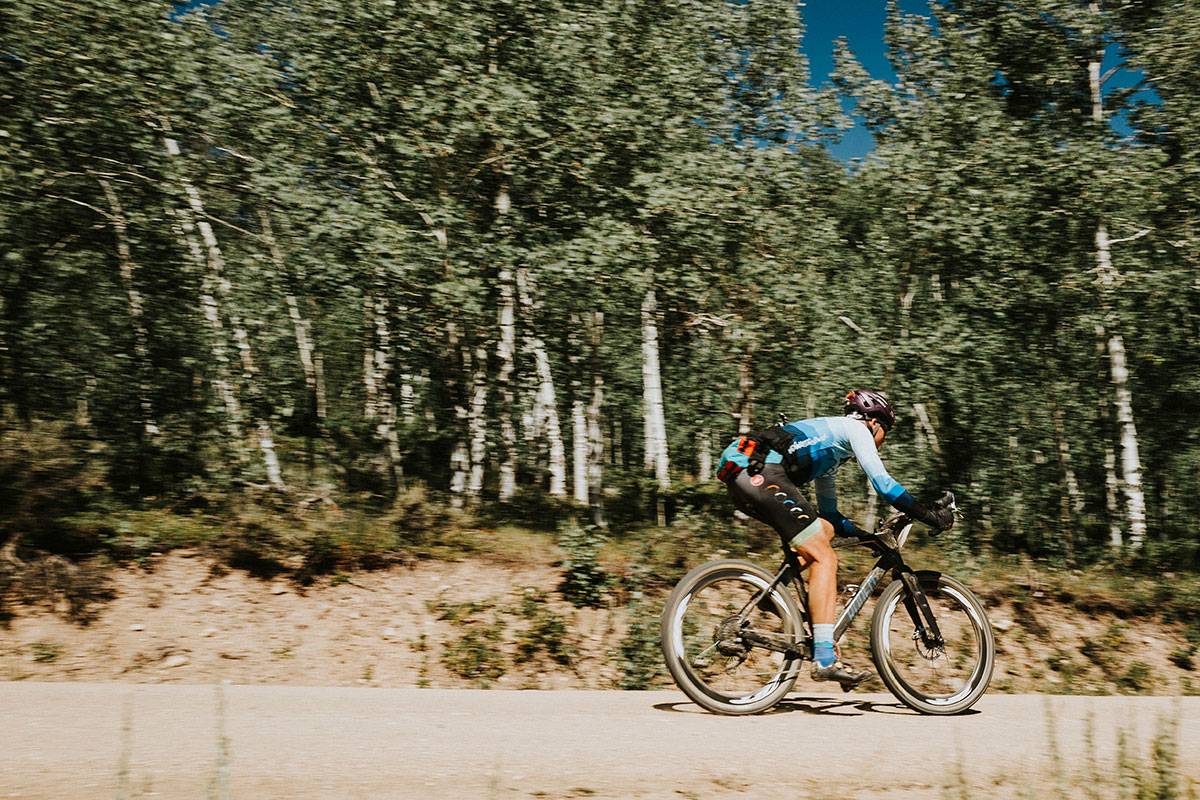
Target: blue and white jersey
pixel 819 447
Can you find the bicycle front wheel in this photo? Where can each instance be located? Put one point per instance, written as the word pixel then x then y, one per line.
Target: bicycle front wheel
pixel 717 639
pixel 946 679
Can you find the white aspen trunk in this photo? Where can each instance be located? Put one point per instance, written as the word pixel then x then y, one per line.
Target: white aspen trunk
pixel 460 461
pixel 301 325
pixel 141 339
pixel 1072 501
pixel 1135 498
pixel 704 455
pixel 385 429
pixel 595 439
pixel 927 426
pixel 408 407
pixel 218 280
pixel 1018 498
pixel 505 355
pixel 478 422
pixel 318 367
pixel 370 381
pixel 1074 496
pixel 83 412
pixel 656 427
pixel 1111 489
pixel 545 416
pixel 1112 486
pixel 745 393
pixel 579 450
pixel 872 508
pixel 211 312
pixel 649 450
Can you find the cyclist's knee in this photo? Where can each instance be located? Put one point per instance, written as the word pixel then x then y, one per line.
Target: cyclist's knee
pixel 817 548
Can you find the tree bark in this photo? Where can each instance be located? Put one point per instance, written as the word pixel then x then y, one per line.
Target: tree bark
pixel 141 339
pixel 927 427
pixel 657 458
pixel 505 356
pixel 744 409
pixel 370 380
pixel 219 284
pixel 385 427
pixel 579 449
pixel 306 347
pixel 545 400
pixel 1072 500
pixel 594 429
pixel 478 422
pixel 1135 498
pixel 704 454
pixel 460 461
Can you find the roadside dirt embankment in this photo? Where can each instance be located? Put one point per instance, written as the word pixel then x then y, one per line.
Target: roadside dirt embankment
pixel 183 618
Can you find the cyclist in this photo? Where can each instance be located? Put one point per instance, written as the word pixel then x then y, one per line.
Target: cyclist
pixel 763 472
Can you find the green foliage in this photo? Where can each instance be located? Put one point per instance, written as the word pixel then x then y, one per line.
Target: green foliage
pixel 1136 679
pixel 45 652
pixel 584 581
pixel 640 656
pixel 547 631
pixel 1183 657
pixel 477 654
pixel 1106 650
pixel 249 232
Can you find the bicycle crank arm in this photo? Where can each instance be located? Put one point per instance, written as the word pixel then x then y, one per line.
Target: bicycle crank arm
pixel 767 642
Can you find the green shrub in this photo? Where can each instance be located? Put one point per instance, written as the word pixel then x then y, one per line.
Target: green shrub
pixel 1182 657
pixel 1137 678
pixel 640 655
pixel 584 582
pixel 476 655
pixel 547 633
pixel 46 474
pixel 45 652
pixel 1105 650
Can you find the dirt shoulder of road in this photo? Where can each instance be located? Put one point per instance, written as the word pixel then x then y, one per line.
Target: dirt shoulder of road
pixel 183 617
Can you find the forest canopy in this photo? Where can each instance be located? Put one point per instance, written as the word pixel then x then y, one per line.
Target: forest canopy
pixel 537 254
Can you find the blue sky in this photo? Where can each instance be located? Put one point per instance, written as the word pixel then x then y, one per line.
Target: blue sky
pixel 861 22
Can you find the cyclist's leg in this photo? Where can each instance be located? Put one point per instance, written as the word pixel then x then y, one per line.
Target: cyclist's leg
pixel 772 498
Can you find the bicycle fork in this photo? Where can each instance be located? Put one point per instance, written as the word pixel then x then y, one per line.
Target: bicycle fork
pixel 922 615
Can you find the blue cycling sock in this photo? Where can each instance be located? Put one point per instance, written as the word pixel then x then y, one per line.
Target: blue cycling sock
pixel 823 652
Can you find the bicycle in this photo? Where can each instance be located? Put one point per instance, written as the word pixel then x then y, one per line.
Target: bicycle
pixel 734 638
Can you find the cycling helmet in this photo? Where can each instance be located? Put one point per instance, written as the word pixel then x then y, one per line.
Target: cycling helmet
pixel 870 404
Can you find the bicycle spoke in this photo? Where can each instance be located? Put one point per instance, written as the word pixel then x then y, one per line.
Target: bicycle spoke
pixel 715 623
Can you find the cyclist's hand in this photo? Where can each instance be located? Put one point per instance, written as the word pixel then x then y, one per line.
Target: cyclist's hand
pixel 937 515
pixel 940 519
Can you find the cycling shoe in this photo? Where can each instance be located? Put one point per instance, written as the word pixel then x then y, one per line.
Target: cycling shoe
pixel 837 671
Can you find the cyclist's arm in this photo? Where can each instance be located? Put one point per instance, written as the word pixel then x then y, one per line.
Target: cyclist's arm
pixel 865 452
pixel 827 507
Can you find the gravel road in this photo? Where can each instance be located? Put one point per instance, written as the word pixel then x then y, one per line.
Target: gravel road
pixel 83 741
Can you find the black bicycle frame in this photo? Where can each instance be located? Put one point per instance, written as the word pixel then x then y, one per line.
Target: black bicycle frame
pixel 890 560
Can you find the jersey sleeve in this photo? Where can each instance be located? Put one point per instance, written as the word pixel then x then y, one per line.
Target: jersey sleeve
pixel 867 455
pixel 826 492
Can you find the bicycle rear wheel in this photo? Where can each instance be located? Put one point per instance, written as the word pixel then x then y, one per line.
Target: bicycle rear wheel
pixel 713 634
pixel 941 680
